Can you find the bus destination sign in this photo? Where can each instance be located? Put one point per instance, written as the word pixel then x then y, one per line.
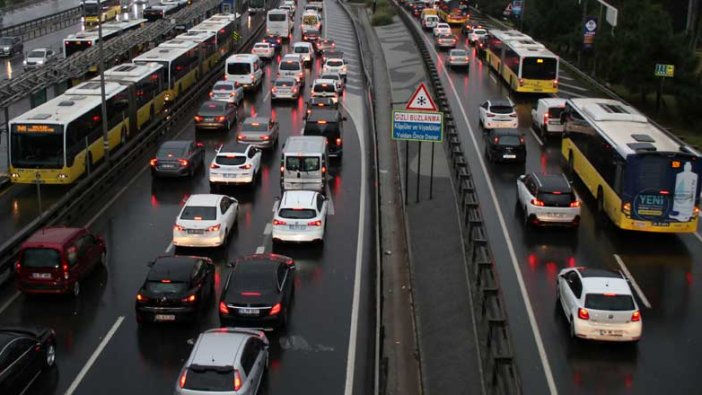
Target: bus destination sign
pixel 36 128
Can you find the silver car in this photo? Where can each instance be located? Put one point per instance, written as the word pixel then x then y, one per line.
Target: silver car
pixel 225 361
pixel 458 58
pixel 227 91
pixel 39 57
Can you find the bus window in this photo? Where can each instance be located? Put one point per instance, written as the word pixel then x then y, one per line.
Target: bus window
pixel 539 68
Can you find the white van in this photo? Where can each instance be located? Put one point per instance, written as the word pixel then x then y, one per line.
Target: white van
pixel 311 22
pixel 291 66
pixel 244 69
pixel 325 88
pixel 278 23
pixel 305 50
pixel 304 164
pixel 429 21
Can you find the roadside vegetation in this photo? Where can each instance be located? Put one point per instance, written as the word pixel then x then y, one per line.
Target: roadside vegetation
pixel 384 12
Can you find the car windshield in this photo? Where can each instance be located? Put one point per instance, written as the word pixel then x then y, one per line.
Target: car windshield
pixel 501 109
pixel 168 152
pixel 284 83
pixel 302 163
pixel 212 108
pixel 209 378
pixel 163 288
pixel 289 65
pixel 37 53
pixel 238 68
pixel 609 302
pixel 41 258
pixel 297 213
pixel 230 160
pixel 324 88
pixel 199 213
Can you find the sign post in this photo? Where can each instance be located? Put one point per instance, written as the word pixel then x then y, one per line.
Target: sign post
pixel 662 71
pixel 420 121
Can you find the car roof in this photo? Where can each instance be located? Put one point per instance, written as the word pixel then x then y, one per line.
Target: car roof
pixel 586 272
pixel 552 182
pixel 296 199
pixel 211 103
pixel 458 50
pixel 203 200
pixel 323 113
pixel 218 348
pixel 52 235
pixel 233 147
pixel 285 79
pixel 445 35
pixel 606 284
pixel 250 120
pixel 176 144
pixel 323 81
pixel 290 56
pixel 225 82
pixel 302 43
pixel 175 268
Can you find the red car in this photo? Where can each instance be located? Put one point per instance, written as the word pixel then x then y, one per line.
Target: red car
pixel 55 260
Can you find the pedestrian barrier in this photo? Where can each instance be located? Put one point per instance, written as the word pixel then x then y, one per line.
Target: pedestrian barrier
pixel 44 25
pixel 500 372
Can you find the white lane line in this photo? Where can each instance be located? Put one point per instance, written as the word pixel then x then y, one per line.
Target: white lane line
pixel 536 136
pixel 699 237
pixel 330 203
pixel 569 93
pixel 577 88
pixel 632 280
pixel 94 357
pixel 260 249
pixel 6 190
pixel 169 248
pixel 268 230
pixel 492 76
pixel 510 245
pixel 30 383
pixel 275 205
pixel 9 301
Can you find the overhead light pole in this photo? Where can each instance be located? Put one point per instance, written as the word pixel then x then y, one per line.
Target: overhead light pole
pixel 101 68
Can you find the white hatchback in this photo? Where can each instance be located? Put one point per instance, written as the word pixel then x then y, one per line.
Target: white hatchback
pixel 227 91
pixel 301 217
pixel 442 28
pixel 598 305
pixel 233 164
pixel 548 199
pixel 498 114
pixel 264 50
pixel 476 35
pixel 335 65
pixel 205 221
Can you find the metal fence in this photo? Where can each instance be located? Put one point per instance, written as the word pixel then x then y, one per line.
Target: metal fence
pixel 44 25
pixel 495 341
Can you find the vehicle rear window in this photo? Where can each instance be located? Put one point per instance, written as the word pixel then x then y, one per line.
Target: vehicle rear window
pixel 555 112
pixel 457 52
pixel 324 88
pixel 255 127
pixel 199 213
pixel 479 31
pixel 501 109
pixel 37 53
pixel 157 287
pixel 238 68
pixel 41 258
pixel 301 49
pixel 335 63
pixel 230 160
pixel 167 152
pixel 315 129
pixel 289 65
pixel 609 302
pixel 283 83
pixel 302 163
pixel 509 140
pixel 223 87
pixel 212 108
pixel 210 378
pixel 556 199
pixel 277 17
pixel 297 213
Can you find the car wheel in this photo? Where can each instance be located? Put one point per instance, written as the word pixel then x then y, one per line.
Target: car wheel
pixel 50 356
pixel 103 258
pixel 76 288
pixel 481 124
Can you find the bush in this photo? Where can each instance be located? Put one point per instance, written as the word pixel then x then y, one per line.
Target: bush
pixel 382 17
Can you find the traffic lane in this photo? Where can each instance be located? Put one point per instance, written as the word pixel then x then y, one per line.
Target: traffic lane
pixel 19 205
pixel 542 255
pixel 36 10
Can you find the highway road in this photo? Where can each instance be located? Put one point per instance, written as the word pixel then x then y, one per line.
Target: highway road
pixel 33 10
pixel 326 349
pixel 528 260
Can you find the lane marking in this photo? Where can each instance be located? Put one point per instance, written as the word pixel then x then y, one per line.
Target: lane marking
pixel 9 301
pixel 3 193
pixel 275 205
pixel 577 88
pixel 30 383
pixel 260 249
pixel 94 357
pixel 330 203
pixel 491 75
pixel 510 246
pixel 632 280
pixel 569 93
pixel 565 77
pixel 536 136
pixel 699 237
pixel 268 230
pixel 169 248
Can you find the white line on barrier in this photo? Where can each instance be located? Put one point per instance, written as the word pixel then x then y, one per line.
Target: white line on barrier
pixel 536 136
pixel 169 248
pixel 260 249
pixel 632 280
pixel 699 237
pixel 268 230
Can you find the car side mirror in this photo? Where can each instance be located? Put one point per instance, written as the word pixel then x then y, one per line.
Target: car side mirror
pixel 344 118
pixel 150 263
pixel 522 177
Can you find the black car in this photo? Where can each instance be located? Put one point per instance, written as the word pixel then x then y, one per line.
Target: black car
pixel 10 46
pixel 178 158
pixel 24 352
pixel 327 123
pixel 216 115
pixel 258 292
pixel 505 145
pixel 274 40
pixel 320 102
pixel 481 47
pixel 177 288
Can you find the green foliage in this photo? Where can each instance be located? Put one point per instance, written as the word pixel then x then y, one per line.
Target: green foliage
pixel 382 18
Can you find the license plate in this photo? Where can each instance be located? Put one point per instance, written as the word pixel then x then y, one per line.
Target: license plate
pixel 209 119
pixel 556 215
pixel 297 227
pixel 167 166
pixel 230 175
pixel 554 122
pixel 164 317
pixel 509 156
pixel 607 332
pixel 196 231
pixel 248 311
pixel 41 275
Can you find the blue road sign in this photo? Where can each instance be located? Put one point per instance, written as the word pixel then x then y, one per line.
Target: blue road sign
pixel 418 126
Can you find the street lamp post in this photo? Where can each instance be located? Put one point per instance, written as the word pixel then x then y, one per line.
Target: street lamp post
pixel 101 65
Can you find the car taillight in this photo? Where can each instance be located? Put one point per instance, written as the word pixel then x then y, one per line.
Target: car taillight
pixel 153 162
pixel 189 299
pixel 232 94
pixel 583 314
pixel 279 222
pixel 65 271
pixel 220 119
pixel 513 115
pixel 251 76
pixel 636 316
pixel 495 140
pixel 300 75
pixel 489 115
pixel 241 137
pixel 141 298
pixel 214 228
pixel 183 162
pixel 198 118
pixel 178 228
pixel 338 141
pixel 223 308
pixel 575 203
pixel 18 267
pixel 545 118
pixel 265 138
pixel 237 380
pixel 181 380
pixel 324 169
pixel 214 166
pixel 274 89
pixel 315 223
pixel 555 83
pixel 211 94
pixel 521 82
pixel 246 166
pixel 282 169
pixel 275 310
pixel 537 202
pixel 521 140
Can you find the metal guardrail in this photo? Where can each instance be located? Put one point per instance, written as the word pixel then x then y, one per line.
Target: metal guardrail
pixel 114 50
pixel 95 186
pixel 495 341
pixel 44 25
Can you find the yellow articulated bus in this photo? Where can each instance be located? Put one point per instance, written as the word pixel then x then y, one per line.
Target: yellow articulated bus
pixel 181 61
pixel 55 142
pixel 91 11
pixel 642 177
pixel 526 65
pixel 208 47
pixel 453 12
pixel 224 28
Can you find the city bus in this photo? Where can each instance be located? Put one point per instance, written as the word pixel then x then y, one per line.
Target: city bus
pixel 160 11
pixel 80 41
pixel 453 12
pixel 257 6
pixel 91 11
pixel 58 141
pixel 642 177
pixel 526 65
pixel 224 27
pixel 208 46
pixel 181 60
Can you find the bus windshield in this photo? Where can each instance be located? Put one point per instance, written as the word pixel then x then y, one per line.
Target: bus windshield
pixel 539 68
pixel 91 9
pixel 37 150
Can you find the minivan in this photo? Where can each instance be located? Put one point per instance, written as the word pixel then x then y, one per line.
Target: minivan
pixel 278 22
pixel 55 260
pixel 291 66
pixel 325 88
pixel 245 69
pixel 303 164
pixel 306 52
pixel 328 124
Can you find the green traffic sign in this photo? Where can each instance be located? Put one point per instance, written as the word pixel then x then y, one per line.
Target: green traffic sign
pixel 664 70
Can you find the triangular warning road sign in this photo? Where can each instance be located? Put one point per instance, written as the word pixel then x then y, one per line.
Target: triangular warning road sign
pixel 421 101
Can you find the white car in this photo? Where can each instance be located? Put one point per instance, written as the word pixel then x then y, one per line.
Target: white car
pixel 305 50
pixel 205 221
pixel 233 164
pixel 338 80
pixel 291 66
pixel 287 8
pixel 301 217
pixel 442 28
pixel 325 88
pixel 498 114
pixel 546 117
pixel 458 58
pixel 548 199
pixel 335 65
pixel 285 88
pixel 476 35
pixel 227 91
pixel 291 4
pixel 599 305
pixel 39 57
pixel 264 50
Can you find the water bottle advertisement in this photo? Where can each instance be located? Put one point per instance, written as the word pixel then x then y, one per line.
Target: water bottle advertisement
pixel 674 202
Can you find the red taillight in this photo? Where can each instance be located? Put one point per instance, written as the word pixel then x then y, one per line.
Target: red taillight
pixel 636 316
pixel 220 119
pixel 153 162
pixel 315 223
pixel 18 267
pixel 183 162
pixel 265 138
pixel 223 308
pixel 274 89
pixel 583 314
pixel 545 118
pixel 575 203
pixel 279 222
pixel 211 94
pixel 214 166
pixel 178 228
pixel 141 298
pixel 521 140
pixel 282 169
pixel 495 140
pixel 537 202
pixel 275 310
pixel 324 169
pixel 189 299
pixel 251 76
pixel 65 268
pixel 214 228
pixel 198 118
pixel 490 115
pixel 246 166
pixel 338 141
pixel 181 380
pixel 241 137
pixel 237 380
pixel 521 82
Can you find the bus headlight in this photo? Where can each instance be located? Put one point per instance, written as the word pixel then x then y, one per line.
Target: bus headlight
pixel 626 208
pixel 695 212
pixel 14 175
pixel 62 176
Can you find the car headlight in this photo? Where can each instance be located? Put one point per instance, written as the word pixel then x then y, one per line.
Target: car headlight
pixel 24 62
pixel 40 61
